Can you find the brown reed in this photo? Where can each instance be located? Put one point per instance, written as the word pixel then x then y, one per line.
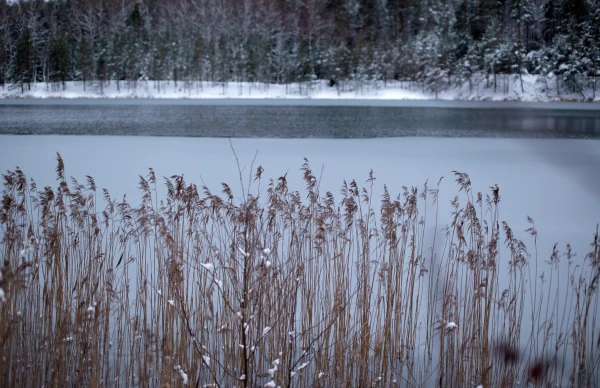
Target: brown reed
pixel 284 288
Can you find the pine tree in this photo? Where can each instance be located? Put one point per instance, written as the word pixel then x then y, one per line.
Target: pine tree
pixel 58 61
pixel 22 66
pixel 85 61
pixel 298 40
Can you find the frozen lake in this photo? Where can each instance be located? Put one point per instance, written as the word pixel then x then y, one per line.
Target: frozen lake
pixel 534 174
pixel 300 118
pixel 553 180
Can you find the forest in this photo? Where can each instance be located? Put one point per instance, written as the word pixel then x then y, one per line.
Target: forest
pixel 436 43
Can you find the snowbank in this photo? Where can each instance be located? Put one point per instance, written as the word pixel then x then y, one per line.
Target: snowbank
pixel 507 88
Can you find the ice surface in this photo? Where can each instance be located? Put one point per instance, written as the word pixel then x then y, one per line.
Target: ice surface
pixel 555 182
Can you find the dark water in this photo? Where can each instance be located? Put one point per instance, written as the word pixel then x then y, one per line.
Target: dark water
pixel 300 119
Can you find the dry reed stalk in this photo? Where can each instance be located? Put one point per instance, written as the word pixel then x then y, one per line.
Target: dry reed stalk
pixel 284 288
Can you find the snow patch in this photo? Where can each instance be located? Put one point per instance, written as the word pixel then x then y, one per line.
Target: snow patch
pixel 478 87
pixel 207 266
pixel 184 376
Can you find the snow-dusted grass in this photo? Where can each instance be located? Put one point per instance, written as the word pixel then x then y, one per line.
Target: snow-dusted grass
pixel 171 285
pixel 508 88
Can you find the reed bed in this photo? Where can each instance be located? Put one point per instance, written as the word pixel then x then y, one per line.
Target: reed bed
pixel 273 287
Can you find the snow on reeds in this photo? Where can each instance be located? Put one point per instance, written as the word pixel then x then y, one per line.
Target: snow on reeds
pixel 284 288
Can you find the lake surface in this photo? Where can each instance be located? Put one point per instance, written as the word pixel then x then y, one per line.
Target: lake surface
pixel 553 181
pixel 300 118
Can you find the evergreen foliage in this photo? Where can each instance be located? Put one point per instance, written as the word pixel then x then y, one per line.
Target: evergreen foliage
pixel 349 42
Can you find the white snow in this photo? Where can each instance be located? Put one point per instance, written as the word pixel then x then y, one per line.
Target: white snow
pixel 266 330
pixel 304 365
pixel 272 371
pixel 266 251
pixel 171 302
pixel 317 90
pixel 270 384
pixel 208 266
pixel 535 88
pixel 206 360
pixel 451 326
pixel 184 376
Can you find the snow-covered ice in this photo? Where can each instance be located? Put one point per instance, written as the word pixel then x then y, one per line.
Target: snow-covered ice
pixel 555 182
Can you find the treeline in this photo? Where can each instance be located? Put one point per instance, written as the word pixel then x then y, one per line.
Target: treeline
pixel 285 41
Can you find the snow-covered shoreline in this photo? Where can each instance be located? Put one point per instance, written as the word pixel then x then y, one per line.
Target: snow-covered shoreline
pixel 508 88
